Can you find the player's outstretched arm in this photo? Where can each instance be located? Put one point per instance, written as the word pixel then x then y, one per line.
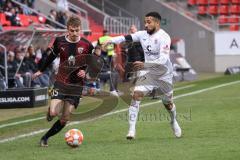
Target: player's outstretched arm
pixel 115 40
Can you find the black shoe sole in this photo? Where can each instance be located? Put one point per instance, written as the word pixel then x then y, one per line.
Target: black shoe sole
pixel 130 138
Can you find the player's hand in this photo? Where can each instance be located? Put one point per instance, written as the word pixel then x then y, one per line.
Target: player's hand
pixel 37 74
pixel 81 74
pixel 138 65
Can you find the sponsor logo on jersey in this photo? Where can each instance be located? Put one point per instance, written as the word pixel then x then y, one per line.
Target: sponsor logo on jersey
pixel 149 48
pixel 80 50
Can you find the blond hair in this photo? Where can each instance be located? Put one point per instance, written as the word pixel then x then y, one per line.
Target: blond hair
pixel 74 21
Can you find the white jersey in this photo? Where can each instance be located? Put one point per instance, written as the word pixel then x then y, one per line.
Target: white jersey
pixel 156 52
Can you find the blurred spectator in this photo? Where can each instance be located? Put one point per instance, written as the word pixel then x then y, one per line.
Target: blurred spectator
pixel 26 11
pixel 7 6
pixel 24 71
pixel 107 74
pixel 62 17
pixel 44 78
pixel 52 16
pixel 30 3
pixel 31 60
pixel 2 83
pixel 109 49
pixel 13 18
pixel 13 81
pixel 133 52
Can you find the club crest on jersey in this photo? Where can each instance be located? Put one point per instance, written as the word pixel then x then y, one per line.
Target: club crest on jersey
pixel 71 60
pixel 155 41
pixel 80 50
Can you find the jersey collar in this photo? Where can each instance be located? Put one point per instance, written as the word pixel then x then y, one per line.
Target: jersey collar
pixel 67 39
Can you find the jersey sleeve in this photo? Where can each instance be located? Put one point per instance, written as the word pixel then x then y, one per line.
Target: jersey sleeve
pixel 165 45
pixel 54 48
pixel 137 36
pixel 91 49
pixel 118 39
pixel 54 51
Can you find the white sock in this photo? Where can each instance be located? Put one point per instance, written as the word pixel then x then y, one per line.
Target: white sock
pixel 173 113
pixel 133 114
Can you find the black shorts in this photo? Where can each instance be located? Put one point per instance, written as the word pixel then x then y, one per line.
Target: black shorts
pixel 72 99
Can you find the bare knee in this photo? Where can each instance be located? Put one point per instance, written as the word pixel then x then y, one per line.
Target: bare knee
pixel 138 95
pixel 53 112
pixel 168 105
pixel 55 107
pixel 64 120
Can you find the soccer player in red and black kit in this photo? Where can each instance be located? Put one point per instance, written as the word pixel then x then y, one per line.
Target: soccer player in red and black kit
pixel 73 51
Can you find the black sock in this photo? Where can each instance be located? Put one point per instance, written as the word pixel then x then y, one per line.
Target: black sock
pixel 57 127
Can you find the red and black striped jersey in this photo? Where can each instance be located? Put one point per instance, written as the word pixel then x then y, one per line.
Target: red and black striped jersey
pixel 73 57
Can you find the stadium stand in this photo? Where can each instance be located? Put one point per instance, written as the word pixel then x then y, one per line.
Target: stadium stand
pixel 224 14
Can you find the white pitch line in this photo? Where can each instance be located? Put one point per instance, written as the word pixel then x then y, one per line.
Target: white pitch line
pixel 119 111
pixel 184 87
pixel 40 118
pixel 20 122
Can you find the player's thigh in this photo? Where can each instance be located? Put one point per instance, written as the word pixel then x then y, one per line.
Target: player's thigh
pixel 68 108
pixel 144 84
pixel 165 89
pixel 56 106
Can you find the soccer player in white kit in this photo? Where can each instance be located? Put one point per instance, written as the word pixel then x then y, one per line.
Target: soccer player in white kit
pixel 155 72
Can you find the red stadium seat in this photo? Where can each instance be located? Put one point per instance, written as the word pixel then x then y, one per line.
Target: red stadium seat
pixel 234 27
pixel 34 19
pixel 213 10
pixel 223 10
pixel 3 20
pixel 235 1
pixel 222 19
pixel 233 19
pixel 213 2
pixel 226 2
pixel 234 9
pixel 202 2
pixel 24 20
pixel 191 2
pixel 202 10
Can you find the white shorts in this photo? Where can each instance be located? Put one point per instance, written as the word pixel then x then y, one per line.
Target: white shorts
pixel 148 82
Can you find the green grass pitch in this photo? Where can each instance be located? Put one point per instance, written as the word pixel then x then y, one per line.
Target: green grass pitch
pixel 209 120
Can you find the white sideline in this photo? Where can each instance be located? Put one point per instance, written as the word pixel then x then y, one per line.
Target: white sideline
pixel 118 111
pixel 184 87
pixel 20 122
pixel 39 118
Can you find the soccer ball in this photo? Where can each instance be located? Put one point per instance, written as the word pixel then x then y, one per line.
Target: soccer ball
pixel 74 137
